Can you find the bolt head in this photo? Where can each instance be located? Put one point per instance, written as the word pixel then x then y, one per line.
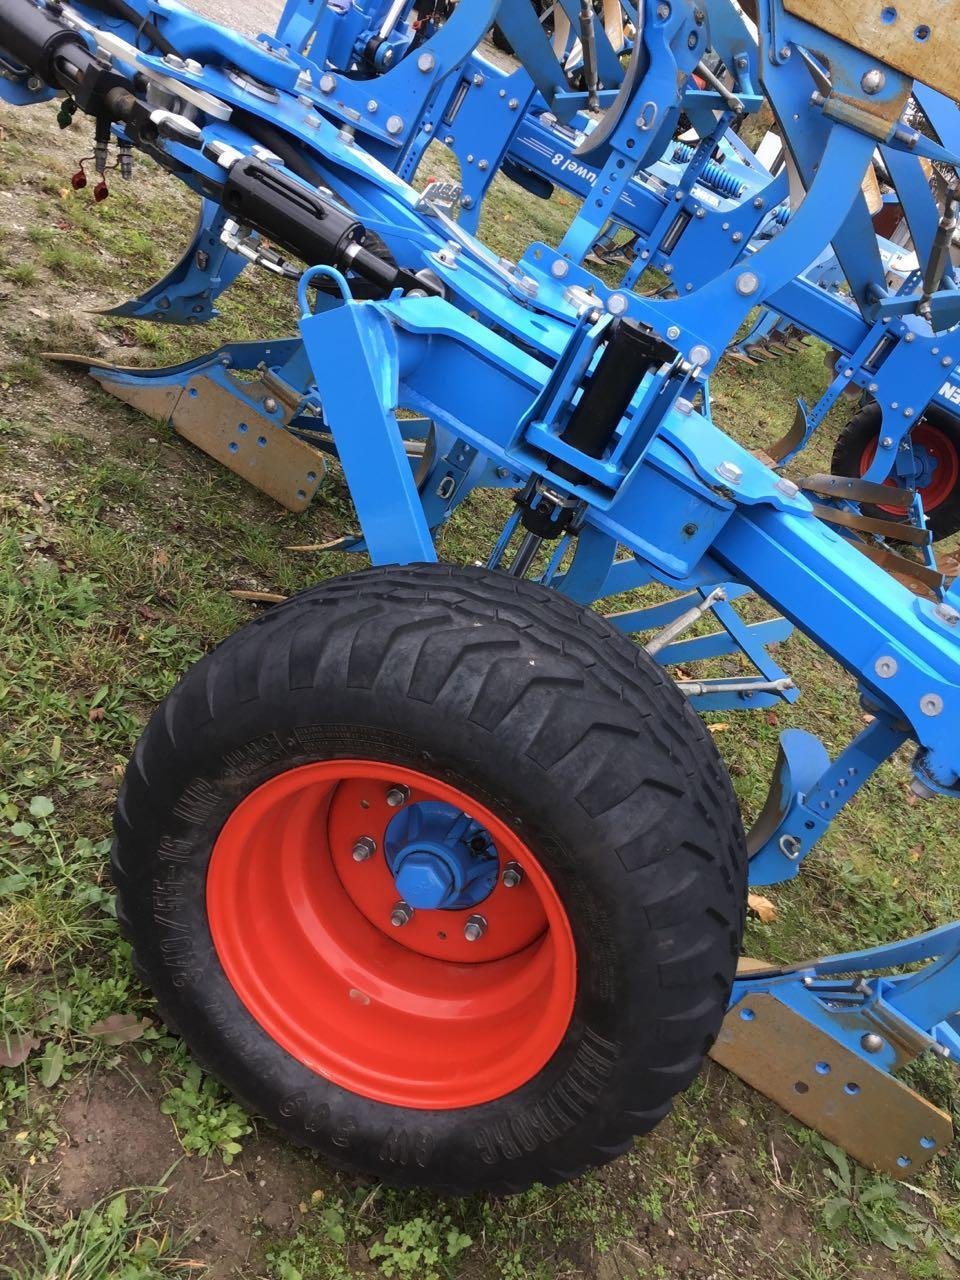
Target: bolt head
pixel 401 914
pixel 787 487
pixel 699 354
pixel 512 875
pixel 887 442
pixel 747 283
pixel 730 472
pixel 872 81
pixel 560 269
pixel 397 795
pixel 270 405
pixel 328 83
pixel 475 928
pixel 365 848
pixel 673 333
pixel 617 304
pixel 948 614
pixel 394 125
pixel 871 1042
pixel 931 704
pixel 886 667
pixel 373 105
pixel 426 61
pixel 424 882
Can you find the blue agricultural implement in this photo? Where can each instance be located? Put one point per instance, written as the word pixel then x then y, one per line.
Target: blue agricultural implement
pixel 436 867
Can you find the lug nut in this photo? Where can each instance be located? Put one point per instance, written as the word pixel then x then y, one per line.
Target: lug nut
pixel 365 848
pixel 397 795
pixel 512 875
pixel 401 914
pixel 475 928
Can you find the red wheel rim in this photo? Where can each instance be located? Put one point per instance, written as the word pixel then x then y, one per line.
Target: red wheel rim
pixel 946 472
pixel 402 1016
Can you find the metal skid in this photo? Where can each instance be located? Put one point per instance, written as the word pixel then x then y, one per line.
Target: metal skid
pixel 499 362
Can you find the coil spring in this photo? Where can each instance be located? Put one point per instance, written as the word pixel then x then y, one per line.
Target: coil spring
pixel 782 216
pixel 712 174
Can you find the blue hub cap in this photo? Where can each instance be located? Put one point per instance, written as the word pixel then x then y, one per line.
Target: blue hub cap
pixel 440 858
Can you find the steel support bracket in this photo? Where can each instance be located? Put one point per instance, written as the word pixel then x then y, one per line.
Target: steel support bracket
pixel 854 1103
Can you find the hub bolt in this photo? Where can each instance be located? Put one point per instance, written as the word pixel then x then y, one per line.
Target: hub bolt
pixel 365 848
pixel 475 928
pixel 401 914
pixel 397 795
pixel 512 875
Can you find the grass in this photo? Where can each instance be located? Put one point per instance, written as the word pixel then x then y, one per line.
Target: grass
pixel 118 544
pixel 116 1237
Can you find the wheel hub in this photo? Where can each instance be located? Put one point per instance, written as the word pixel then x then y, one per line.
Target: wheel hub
pixel 440 858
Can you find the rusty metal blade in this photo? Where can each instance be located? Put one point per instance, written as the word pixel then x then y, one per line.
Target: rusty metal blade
pixel 917 577
pixel 880 1123
pixel 898 530
pixel 787 443
pixel 855 490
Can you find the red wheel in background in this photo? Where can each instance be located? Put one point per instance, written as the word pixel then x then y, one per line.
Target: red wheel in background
pixel 936 440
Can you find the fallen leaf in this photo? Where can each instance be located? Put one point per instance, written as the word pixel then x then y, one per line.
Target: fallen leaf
pixel 718 728
pixel 771 718
pixel 914 853
pixel 15 1050
pixel 96 713
pixel 119 1028
pixel 762 907
pixel 160 558
pixel 38 498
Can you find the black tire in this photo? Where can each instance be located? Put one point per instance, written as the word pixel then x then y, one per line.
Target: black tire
pixel 553 720
pixel 943 515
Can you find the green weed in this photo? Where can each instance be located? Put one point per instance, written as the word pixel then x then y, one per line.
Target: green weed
pixel 206 1120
